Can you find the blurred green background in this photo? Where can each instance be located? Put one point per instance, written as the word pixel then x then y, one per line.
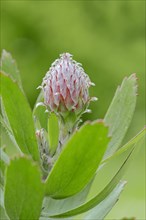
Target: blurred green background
pixel 108 38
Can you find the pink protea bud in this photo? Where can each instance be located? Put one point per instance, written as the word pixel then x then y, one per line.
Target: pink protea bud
pixel 66 87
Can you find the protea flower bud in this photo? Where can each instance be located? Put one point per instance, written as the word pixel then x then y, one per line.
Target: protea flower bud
pixel 66 87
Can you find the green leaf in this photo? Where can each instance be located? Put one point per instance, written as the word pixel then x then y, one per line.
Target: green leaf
pixel 101 210
pixel 127 146
pixel 4 161
pixel 108 189
pixel 1 197
pixel 133 218
pixel 24 190
pixel 8 65
pixel 54 206
pixel 20 117
pixel 8 131
pixel 39 113
pixel 5 125
pixel 93 202
pixel 3 215
pixel 41 117
pixel 7 128
pixel 46 218
pixel 78 161
pixel 120 112
pixel 53 132
pixel 4 157
pixel 4 119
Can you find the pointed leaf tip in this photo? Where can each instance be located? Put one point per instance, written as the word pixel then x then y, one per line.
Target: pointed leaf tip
pixel 9 67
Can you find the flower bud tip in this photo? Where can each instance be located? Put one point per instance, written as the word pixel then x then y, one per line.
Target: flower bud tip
pixel 66 87
pixel 94 99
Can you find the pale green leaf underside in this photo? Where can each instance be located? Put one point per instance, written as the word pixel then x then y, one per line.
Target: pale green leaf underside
pixel 20 117
pixel 24 190
pixel 78 161
pixel 4 157
pixel 3 214
pixel 101 210
pixel 120 112
pixel 54 206
pixel 4 161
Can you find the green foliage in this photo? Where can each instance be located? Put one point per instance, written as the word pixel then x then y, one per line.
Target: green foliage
pixel 57 206
pixel 24 190
pixel 38 113
pixel 99 198
pixel 78 161
pixel 134 141
pixel 102 203
pixel 101 210
pixel 120 112
pixel 27 192
pixel 3 214
pixel 128 218
pixel 4 157
pixel 20 116
pixel 4 161
pixel 8 65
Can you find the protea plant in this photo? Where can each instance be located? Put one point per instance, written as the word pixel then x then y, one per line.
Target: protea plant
pixel 65 87
pixel 52 171
pixel 66 91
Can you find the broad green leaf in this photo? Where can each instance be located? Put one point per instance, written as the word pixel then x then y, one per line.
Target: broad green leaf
pixel 20 117
pixel 53 132
pixel 101 210
pixel 78 161
pixel 93 202
pixel 24 190
pixel 120 112
pixel 8 65
pixel 54 206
